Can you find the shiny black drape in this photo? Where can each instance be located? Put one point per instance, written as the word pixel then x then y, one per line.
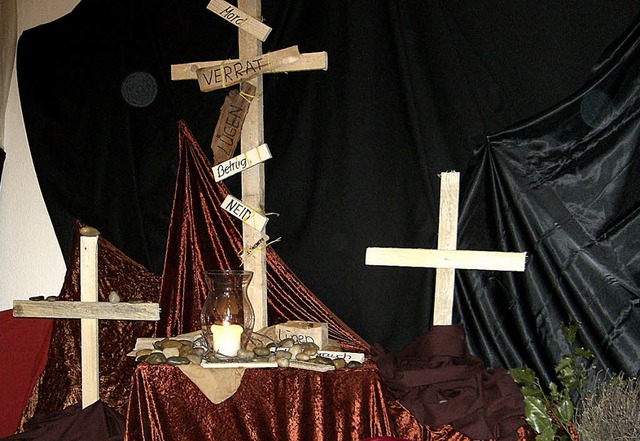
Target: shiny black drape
pixel 564 186
pixel 411 89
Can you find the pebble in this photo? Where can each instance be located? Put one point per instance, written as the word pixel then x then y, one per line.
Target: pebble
pixel 51 298
pixel 302 357
pixel 282 362
pixel 194 359
pixel 176 361
pixel 171 352
pixel 245 354
pixel 310 351
pixel 354 364
pixel 295 350
pixel 283 354
pixel 142 352
pixel 170 344
pixel 155 358
pixel 324 360
pixel 339 363
pixel 261 351
pixel 332 348
pixel 114 297
pixel 198 351
pixel 158 344
pixel 286 343
pixel 36 298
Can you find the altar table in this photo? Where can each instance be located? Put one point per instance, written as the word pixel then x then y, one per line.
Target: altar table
pixel 271 404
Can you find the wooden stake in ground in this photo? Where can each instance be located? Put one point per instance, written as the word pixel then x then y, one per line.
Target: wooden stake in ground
pixel 88 310
pixel 446 259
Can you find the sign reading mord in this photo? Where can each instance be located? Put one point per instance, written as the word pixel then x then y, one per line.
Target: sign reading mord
pixel 241 162
pixel 246 214
pixel 225 75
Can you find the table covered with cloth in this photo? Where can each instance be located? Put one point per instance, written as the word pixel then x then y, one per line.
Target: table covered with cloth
pixel 272 404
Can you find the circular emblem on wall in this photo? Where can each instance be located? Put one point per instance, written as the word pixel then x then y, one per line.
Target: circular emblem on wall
pixel 139 89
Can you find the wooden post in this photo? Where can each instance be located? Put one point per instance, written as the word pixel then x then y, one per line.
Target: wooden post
pixel 88 310
pixel 89 327
pixel 446 259
pixel 253 179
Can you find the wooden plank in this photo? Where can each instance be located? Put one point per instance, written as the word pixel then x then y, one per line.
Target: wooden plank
pixel 457 259
pixel 307 61
pixel 239 18
pixel 253 179
pixel 447 240
pixel 86 310
pixel 89 349
pixel 250 66
pixel 229 126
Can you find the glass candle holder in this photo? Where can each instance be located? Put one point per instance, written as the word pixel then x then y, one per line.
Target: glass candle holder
pixel 227 315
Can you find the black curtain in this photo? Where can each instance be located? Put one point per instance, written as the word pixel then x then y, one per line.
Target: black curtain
pixel 412 88
pixel 565 186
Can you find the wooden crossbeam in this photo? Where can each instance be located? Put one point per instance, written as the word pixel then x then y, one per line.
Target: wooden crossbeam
pixel 446 259
pixel 307 61
pixel 88 310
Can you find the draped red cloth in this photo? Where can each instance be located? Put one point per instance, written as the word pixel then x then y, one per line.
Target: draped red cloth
pixel 202 235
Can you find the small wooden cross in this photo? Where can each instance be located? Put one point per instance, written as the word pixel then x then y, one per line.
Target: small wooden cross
pixel 446 259
pixel 88 310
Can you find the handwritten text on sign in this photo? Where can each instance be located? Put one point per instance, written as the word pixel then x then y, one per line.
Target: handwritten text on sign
pixel 241 162
pixel 247 215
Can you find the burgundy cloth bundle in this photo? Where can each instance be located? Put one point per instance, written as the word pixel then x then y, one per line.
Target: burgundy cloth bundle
pixel 435 379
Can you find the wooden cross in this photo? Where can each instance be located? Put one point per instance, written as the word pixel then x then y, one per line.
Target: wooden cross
pixel 251 34
pixel 88 310
pixel 446 259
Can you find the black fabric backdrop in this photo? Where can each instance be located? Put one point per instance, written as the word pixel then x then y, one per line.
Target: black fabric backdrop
pixel 412 89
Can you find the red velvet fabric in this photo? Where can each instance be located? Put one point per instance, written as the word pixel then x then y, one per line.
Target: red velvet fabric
pixel 24 344
pixel 204 236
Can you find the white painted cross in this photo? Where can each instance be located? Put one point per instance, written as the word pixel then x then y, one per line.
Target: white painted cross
pixel 446 259
pixel 251 34
pixel 88 310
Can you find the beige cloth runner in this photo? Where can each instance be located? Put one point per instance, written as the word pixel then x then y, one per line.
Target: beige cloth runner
pixel 216 384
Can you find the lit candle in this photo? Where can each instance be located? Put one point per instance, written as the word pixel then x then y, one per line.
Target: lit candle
pixel 226 338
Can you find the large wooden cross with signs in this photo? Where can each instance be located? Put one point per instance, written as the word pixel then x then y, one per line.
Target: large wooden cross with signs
pixel 446 259
pixel 88 310
pixel 248 69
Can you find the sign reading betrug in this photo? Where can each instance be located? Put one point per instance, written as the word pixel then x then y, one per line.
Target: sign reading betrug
pixel 247 215
pixel 241 162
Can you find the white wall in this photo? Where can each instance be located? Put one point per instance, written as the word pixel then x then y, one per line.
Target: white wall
pixel 31 262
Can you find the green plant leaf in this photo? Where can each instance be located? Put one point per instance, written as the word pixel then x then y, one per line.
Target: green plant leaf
pixel 523 375
pixel 555 394
pixel 532 391
pixel 547 435
pixel 535 413
pixel 583 353
pixel 570 332
pixel 564 410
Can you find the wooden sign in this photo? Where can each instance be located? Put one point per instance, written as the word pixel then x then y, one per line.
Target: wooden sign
pixel 232 115
pixel 247 215
pixel 446 259
pixel 229 74
pixel 304 332
pixel 308 61
pixel 240 19
pixel 88 310
pixel 241 162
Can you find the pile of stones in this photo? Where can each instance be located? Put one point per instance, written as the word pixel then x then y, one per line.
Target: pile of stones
pixel 176 352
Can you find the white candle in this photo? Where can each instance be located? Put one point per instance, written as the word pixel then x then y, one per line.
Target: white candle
pixel 226 338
